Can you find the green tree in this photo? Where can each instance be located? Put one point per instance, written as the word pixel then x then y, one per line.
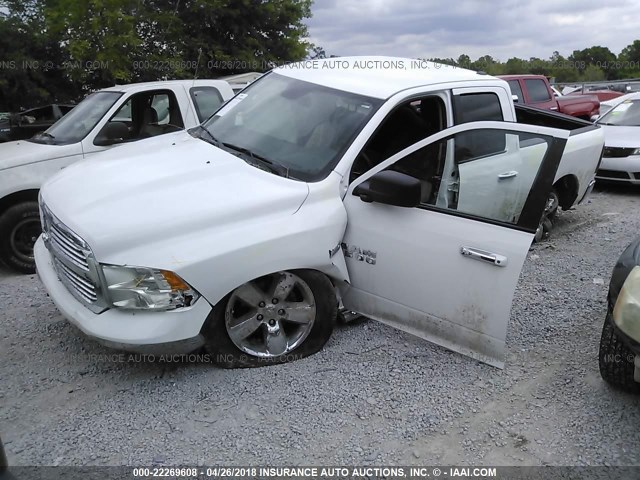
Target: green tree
pixel 600 57
pixel 464 61
pixel 515 66
pixel 133 40
pixel 317 53
pixel 630 60
pixel 100 36
pixel 561 69
pixel 593 74
pixel 631 53
pixel 232 36
pixel 538 66
pixel 487 64
pixel 31 64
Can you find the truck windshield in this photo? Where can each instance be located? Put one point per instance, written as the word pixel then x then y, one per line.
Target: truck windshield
pixel 77 124
pixel 299 126
pixel 625 114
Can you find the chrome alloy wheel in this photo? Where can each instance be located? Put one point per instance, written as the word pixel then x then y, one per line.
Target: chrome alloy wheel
pixel 270 316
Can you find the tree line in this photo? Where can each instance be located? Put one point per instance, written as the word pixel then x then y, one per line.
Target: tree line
pixel 59 50
pixel 591 64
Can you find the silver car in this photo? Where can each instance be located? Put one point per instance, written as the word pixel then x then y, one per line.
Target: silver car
pixel 621 157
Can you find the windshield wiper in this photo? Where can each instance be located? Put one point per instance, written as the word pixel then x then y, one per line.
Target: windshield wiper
pixel 275 167
pixel 211 139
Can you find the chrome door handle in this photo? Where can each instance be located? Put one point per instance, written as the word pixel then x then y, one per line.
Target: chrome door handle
pixel 553 108
pixel 484 256
pixel 510 174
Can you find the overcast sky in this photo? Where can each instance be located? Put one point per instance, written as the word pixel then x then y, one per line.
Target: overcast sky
pixel 500 28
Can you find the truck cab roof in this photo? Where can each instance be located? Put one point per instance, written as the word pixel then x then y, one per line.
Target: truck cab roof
pixel 138 87
pixel 380 77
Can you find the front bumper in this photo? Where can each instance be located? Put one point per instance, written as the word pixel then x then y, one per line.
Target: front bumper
pixel 620 169
pixel 173 331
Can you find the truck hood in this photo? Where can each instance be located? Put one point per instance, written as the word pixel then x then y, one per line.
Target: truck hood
pixel 22 152
pixel 137 196
pixel 621 137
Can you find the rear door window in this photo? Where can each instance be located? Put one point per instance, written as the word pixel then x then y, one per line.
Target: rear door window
pixel 537 90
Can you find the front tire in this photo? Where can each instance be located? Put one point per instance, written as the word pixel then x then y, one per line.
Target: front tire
pixel 19 230
pixel 616 360
pixel 274 319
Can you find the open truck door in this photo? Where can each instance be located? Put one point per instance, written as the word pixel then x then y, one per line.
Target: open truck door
pixel 438 233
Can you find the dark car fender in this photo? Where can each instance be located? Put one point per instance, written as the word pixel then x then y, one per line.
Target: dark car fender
pixel 629 259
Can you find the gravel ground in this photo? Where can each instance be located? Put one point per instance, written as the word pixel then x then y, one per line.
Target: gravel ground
pixel 372 396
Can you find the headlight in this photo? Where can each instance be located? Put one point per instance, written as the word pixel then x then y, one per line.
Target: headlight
pixel 636 152
pixel 140 288
pixel 626 313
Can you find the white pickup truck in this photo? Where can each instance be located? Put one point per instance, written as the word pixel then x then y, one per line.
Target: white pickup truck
pixel 116 115
pixel 406 193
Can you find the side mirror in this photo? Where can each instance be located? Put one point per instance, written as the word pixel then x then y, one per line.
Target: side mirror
pixel 112 133
pixel 390 188
pixel 595 117
pixel 515 98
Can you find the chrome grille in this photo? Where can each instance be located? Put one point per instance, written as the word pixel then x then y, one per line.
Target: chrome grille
pixel 68 246
pixel 73 261
pixel 81 285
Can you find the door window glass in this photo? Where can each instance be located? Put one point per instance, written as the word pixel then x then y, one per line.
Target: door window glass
pixel 460 176
pixel 145 115
pixel 38 116
pixel 124 113
pixel 160 103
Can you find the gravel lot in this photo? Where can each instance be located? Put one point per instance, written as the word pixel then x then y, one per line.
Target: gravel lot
pixel 373 396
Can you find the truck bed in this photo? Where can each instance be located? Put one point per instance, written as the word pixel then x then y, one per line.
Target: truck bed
pixel 581 154
pixel 545 118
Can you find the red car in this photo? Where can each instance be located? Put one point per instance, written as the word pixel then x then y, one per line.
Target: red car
pixel 535 90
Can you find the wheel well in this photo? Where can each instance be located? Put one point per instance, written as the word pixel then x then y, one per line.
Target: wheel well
pixel 18 197
pixel 567 189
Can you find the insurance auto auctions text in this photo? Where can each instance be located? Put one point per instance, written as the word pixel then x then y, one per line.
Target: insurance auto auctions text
pixel 340 64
